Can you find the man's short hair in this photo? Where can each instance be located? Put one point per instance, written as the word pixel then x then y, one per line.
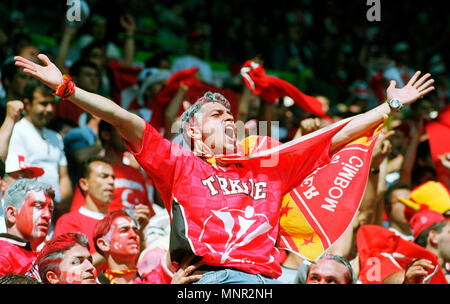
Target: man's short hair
pixel 187 117
pixel 9 69
pixel 350 276
pixel 13 278
pixel 190 113
pixel 86 51
pixel 76 67
pixel 18 191
pixel 85 169
pixel 422 239
pixel 104 126
pixel 392 188
pixel 51 255
pixel 103 227
pixel 31 87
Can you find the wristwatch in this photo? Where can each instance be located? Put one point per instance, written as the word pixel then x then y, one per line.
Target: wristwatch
pixel 394 104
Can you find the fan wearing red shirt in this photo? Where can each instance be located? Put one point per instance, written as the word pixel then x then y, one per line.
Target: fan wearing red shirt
pixel 130 185
pixel 226 214
pixel 117 238
pixel 28 212
pixel 97 183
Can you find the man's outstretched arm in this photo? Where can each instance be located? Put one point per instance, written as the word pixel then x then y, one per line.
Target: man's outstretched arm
pixel 360 124
pixel 129 125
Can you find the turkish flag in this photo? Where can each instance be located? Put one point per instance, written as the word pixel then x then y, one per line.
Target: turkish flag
pixel 382 252
pixel 271 88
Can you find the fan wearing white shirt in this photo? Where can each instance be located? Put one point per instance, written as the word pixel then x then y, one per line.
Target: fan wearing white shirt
pixel 40 146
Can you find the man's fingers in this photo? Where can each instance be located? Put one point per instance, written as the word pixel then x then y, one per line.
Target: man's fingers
pixel 192 278
pixel 25 64
pixel 44 59
pixel 421 80
pixel 425 85
pixel 426 91
pixel 30 72
pixel 22 60
pixel 392 84
pixel 414 78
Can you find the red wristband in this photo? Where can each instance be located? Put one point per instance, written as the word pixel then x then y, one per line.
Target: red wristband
pixel 66 88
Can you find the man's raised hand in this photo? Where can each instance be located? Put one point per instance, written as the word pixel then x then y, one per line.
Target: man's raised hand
pixel 413 90
pixel 48 74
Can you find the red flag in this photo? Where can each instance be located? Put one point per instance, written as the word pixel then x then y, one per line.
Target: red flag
pixel 382 252
pixel 271 88
pixel 438 134
pixel 197 89
pixel 122 77
pixel 316 213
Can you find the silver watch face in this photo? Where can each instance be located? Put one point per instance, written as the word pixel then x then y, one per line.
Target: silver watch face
pixel 395 103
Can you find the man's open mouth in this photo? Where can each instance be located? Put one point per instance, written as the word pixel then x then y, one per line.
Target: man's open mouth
pixel 229 131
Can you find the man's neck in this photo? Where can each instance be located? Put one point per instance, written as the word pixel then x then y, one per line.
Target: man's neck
pixel 125 266
pixel 403 229
pixel 28 117
pixel 92 206
pixel 14 231
pixel 435 251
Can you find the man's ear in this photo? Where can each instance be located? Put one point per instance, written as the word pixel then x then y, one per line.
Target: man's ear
pixel 194 132
pixel 84 185
pixel 27 103
pixel 432 238
pixel 52 277
pixel 103 245
pixel 11 216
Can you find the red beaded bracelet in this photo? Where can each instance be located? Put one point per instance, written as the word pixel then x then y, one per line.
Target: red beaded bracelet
pixel 66 88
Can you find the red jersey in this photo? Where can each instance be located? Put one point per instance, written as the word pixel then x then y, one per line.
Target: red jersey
pixel 16 255
pixel 82 220
pixel 229 217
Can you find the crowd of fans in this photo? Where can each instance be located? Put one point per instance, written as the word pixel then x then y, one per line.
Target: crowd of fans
pixel 103 221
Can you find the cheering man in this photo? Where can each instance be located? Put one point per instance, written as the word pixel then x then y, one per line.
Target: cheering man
pixel 226 213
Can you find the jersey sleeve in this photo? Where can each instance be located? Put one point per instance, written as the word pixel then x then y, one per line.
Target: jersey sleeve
pixel 162 160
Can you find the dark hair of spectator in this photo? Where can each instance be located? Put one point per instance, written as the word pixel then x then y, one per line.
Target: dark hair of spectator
pixel 102 227
pixel 86 51
pixel 32 86
pixel 387 195
pixel 422 239
pixel 85 169
pixel 104 126
pixel 9 69
pixel 76 67
pixel 12 278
